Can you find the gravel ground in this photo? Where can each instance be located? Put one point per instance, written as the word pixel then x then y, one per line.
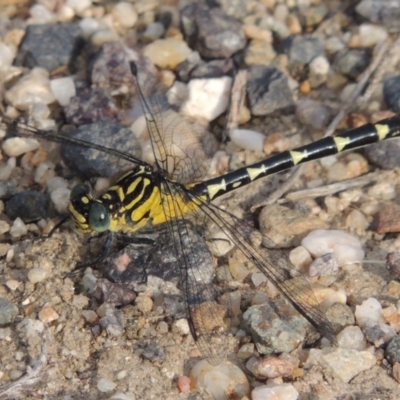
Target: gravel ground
pixel 66 335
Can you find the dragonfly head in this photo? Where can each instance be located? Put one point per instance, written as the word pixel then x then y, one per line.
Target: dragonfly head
pixel 88 214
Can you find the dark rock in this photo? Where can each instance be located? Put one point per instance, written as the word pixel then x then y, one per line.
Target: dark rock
pixel 267 90
pixel 7 189
pixel 384 154
pixel 351 63
pixel 185 68
pixel 213 69
pixel 391 92
pixel 30 206
pixel 89 162
pixel 8 312
pixel 50 46
pixel 301 50
pixel 382 12
pixel 393 350
pixel 212 32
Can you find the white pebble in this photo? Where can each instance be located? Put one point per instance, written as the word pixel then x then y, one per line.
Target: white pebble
pixel 351 337
pixel 124 14
pixel 182 326
pixel 273 391
pixel 16 146
pixel 13 284
pixel 369 313
pixel 79 6
pixel 31 89
pixel 44 172
pixel 6 170
pixel 18 228
pixel 319 66
pixel 247 139
pixel 60 198
pixel 208 98
pixel 56 183
pixel 221 381
pixel 105 385
pixel 345 247
pixel 36 275
pixel 63 89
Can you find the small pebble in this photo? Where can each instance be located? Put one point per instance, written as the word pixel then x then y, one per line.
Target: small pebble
pixel 79 6
pixel 4 227
pixel 273 391
pixel 63 89
pixel 369 313
pixel 224 382
pixel 352 337
pixel 144 304
pixel 207 98
pixel 8 311
pixel 16 146
pixel 167 53
pixel 90 316
pixel 247 139
pixel 36 275
pixel 183 382
pixel 300 258
pixel 33 88
pixel 124 14
pixel 18 228
pixel 345 247
pixel 121 374
pixel 272 367
pixel 105 385
pixel 47 314
pixel 182 326
pixel 13 284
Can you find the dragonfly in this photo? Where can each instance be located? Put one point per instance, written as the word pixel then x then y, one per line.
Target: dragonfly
pixel 170 195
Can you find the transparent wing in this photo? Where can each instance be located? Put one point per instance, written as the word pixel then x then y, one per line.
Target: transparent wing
pixel 182 148
pixel 25 130
pixel 208 318
pixel 272 262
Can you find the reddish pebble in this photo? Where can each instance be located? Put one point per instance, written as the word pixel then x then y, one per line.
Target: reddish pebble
pixel 183 384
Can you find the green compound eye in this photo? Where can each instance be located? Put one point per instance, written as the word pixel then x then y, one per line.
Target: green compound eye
pixel 99 219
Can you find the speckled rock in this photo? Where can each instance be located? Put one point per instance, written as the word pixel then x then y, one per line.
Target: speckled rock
pixel 29 206
pixel 268 90
pixel 49 46
pixel 212 32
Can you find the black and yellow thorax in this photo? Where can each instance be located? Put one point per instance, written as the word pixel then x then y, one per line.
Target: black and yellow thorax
pixel 141 197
